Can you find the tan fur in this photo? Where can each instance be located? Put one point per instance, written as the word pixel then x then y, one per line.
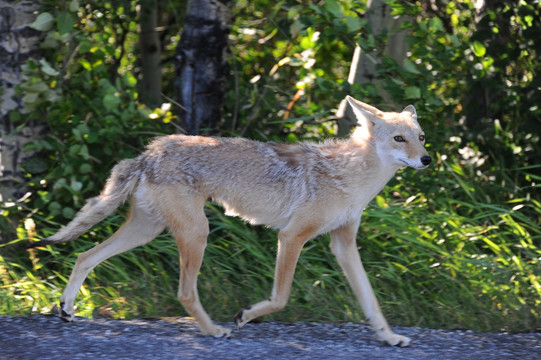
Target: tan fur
pixel 303 190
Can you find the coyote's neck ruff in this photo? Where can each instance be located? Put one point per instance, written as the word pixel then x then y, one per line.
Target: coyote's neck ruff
pixel 302 190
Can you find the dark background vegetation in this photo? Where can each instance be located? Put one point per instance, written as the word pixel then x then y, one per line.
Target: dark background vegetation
pixel 454 246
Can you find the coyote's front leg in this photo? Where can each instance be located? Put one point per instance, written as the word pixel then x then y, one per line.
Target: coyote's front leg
pixel 290 243
pixel 344 247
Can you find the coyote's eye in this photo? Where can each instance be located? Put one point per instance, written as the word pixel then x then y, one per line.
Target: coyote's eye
pixel 399 139
pixel 421 138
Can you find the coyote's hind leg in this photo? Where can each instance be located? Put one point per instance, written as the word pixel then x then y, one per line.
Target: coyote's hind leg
pixel 190 228
pixel 138 230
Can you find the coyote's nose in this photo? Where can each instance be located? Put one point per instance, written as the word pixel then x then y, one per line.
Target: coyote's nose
pixel 426 160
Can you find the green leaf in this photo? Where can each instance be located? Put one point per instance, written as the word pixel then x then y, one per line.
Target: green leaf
pixel 52 41
pixel 413 92
pixel 74 150
pixel 44 22
pixel 30 98
pixel 130 80
pixel 85 46
pixel 455 40
pixel 92 138
pixel 54 207
pixel 488 62
pixel 454 20
pixel 47 69
pixel 84 151
pixel 528 19
pixel 36 87
pixel 333 7
pixel 83 128
pixel 52 95
pixel 479 49
pixel 85 64
pixel 296 28
pixel 436 24
pixel 381 202
pixel 76 185
pixel 68 212
pixel 111 102
pixel 77 134
pixel 85 168
pixel 74 5
pixel 354 24
pixel 34 165
pixel 306 43
pixel 64 22
pixel 409 66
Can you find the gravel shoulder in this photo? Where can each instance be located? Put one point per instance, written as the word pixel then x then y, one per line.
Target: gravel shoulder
pixel 46 337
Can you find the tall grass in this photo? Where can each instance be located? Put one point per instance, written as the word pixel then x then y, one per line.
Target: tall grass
pixel 439 252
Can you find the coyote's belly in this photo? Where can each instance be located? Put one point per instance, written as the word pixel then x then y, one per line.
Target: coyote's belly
pixel 261 208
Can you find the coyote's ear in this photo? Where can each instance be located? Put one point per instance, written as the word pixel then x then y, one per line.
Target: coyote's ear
pixel 366 115
pixel 410 109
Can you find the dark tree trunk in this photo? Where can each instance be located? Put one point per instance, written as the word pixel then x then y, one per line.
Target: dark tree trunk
pixel 18 43
pixel 149 41
pixel 202 64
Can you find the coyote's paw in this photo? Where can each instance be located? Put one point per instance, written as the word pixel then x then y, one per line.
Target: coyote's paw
pixel 65 315
pixel 390 338
pixel 218 331
pixel 240 320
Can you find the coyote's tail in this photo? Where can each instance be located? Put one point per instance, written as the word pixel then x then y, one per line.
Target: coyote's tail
pixel 124 178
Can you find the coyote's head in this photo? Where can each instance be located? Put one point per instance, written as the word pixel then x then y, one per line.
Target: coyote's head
pixel 397 137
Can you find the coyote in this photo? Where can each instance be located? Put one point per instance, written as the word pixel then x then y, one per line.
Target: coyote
pixel 303 190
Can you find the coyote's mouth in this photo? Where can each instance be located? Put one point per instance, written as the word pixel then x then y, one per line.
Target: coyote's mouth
pixel 413 165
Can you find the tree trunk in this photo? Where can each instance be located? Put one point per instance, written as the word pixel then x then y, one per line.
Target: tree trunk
pixel 363 65
pixel 202 64
pixel 149 42
pixel 18 42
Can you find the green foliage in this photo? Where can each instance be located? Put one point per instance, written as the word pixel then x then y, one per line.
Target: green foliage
pixel 455 246
pixel 88 100
pixel 290 64
pixel 480 80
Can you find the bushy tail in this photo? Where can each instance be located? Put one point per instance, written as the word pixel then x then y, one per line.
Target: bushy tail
pixel 124 178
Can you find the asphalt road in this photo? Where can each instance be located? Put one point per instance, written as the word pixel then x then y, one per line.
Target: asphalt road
pixel 46 337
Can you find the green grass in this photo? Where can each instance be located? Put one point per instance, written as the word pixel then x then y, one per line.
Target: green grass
pixel 440 253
